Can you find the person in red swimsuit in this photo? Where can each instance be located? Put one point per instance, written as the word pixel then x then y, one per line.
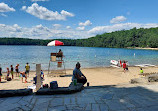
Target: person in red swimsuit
pixel 124 66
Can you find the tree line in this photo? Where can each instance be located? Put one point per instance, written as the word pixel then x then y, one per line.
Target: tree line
pixel 118 39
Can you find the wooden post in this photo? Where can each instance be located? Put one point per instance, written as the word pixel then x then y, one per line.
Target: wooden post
pixel 38 75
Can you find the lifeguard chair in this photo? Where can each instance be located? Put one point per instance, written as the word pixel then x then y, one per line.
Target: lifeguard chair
pixel 57 61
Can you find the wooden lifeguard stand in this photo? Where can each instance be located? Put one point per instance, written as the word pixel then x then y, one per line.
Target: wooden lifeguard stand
pixel 55 58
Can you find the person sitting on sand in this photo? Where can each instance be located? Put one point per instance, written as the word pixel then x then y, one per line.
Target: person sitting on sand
pixel 8 72
pixel 17 70
pixel 11 71
pixel 0 74
pixel 23 74
pixel 124 66
pixel 27 67
pixel 77 74
pixel 141 70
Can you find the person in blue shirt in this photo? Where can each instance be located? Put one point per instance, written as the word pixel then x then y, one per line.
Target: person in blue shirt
pixel 77 74
pixel 42 74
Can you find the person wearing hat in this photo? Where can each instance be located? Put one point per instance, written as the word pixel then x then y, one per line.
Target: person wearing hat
pixel 77 74
pixel 27 67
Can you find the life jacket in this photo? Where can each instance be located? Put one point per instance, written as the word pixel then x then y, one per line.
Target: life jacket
pixel 27 67
pixel 124 65
pixel 120 63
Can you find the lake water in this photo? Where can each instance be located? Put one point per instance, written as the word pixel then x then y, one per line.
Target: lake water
pixel 87 56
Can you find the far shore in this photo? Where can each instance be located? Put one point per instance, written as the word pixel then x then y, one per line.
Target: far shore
pixel 146 48
pixel 96 77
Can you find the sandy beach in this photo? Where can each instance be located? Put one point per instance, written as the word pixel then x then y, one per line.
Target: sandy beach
pixel 145 48
pixel 95 76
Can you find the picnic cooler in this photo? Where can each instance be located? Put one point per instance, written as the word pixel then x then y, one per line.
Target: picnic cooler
pixel 53 85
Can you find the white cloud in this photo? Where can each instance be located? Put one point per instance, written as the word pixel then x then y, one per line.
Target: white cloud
pixel 118 19
pixel 57 26
pixel 10 29
pixel 5 8
pixel 23 8
pixel 4 15
pixel 40 32
pixel 68 27
pixel 41 27
pixel 80 28
pixel 65 13
pixel 44 13
pixel 86 23
pixel 39 0
pixel 117 27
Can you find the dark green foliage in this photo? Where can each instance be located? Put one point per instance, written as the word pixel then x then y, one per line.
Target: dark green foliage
pixel 119 39
pixel 22 41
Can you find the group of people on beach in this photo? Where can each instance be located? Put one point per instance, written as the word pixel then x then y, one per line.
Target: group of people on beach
pixel 18 73
pixel 125 67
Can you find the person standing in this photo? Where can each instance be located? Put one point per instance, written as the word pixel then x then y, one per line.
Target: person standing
pixel 42 74
pixel 17 70
pixel 120 63
pixel 124 66
pixel 27 67
pixel 77 74
pixel 12 71
pixel 0 74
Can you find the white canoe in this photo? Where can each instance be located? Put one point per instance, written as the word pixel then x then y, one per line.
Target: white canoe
pixel 114 62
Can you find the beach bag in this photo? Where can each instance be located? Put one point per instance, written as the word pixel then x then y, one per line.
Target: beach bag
pixel 53 85
pixel 126 68
pixel 45 85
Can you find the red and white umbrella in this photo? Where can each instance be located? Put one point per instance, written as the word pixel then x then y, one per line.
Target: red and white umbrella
pixel 55 43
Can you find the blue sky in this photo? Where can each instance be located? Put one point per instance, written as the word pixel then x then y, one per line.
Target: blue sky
pixel 74 19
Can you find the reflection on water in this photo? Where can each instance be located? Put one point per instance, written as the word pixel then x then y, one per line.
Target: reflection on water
pixel 87 56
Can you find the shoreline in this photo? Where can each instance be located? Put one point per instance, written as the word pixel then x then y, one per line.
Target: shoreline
pixel 31 71
pixel 142 48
